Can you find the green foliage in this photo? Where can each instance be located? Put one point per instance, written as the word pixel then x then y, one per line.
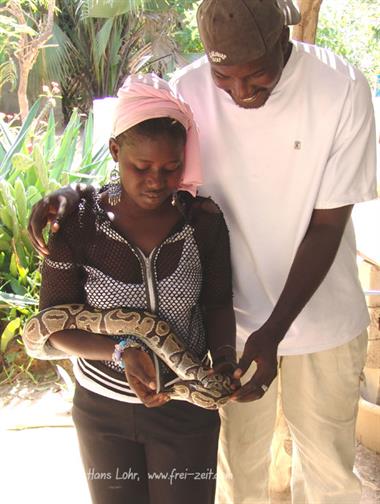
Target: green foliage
pixel 185 32
pixel 187 35
pixel 352 29
pixel 8 74
pixel 112 8
pixel 94 54
pixel 35 161
pixel 99 50
pixel 12 32
pixel 95 43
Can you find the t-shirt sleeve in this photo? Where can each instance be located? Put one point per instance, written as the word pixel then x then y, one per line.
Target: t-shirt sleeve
pixel 174 83
pixel 350 172
pixel 61 284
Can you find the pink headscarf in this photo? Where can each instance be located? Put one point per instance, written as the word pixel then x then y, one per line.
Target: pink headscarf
pixel 143 97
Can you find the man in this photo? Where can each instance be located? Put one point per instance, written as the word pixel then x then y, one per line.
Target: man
pixel 288 148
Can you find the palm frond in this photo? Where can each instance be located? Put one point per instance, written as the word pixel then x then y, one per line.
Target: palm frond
pixel 8 74
pixel 112 8
pixel 6 162
pixel 103 39
pixel 54 63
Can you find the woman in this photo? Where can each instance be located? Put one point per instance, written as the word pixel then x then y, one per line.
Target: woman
pixel 144 241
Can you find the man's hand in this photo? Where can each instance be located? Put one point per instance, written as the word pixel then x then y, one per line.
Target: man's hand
pixel 140 373
pixel 51 210
pixel 260 347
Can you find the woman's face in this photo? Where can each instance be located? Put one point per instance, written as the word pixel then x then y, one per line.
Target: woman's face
pixel 150 168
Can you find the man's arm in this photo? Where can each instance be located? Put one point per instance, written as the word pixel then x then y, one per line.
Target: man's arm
pixel 312 261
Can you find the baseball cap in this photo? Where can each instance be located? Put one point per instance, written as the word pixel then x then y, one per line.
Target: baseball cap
pixel 290 10
pixel 239 31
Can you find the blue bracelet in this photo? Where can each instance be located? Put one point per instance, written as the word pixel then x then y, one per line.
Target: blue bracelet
pixel 128 342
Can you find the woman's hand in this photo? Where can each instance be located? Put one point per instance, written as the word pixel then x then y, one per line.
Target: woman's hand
pixel 50 210
pixel 141 376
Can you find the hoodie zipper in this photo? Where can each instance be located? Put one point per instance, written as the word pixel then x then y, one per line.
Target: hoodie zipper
pixel 150 287
pixel 147 264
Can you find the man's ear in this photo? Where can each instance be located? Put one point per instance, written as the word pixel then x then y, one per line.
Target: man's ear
pixel 114 149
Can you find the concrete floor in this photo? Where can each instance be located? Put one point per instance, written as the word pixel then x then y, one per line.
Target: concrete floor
pixel 40 461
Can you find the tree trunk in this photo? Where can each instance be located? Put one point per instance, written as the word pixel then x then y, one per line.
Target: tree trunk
pixel 21 91
pixel 29 46
pixel 306 30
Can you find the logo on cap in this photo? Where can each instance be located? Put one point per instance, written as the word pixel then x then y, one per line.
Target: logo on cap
pixel 216 57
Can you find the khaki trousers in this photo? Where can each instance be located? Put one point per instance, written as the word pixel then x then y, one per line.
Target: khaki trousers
pixel 319 396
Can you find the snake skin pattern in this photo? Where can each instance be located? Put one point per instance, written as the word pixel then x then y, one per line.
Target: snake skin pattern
pixel 196 386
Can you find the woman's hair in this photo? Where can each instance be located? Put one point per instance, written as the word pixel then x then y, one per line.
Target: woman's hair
pixel 153 128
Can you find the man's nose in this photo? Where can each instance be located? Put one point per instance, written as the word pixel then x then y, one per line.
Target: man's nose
pixel 242 90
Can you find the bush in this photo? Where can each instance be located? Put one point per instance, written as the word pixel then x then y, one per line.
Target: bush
pixel 35 160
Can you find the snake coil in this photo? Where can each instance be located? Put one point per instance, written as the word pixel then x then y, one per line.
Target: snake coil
pixel 196 384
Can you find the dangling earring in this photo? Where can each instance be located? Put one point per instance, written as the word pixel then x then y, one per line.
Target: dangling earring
pixel 174 198
pixel 114 189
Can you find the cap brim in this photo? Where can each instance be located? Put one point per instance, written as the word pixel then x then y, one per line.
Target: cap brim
pixel 291 12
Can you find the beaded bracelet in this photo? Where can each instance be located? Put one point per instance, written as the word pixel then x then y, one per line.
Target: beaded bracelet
pixel 117 354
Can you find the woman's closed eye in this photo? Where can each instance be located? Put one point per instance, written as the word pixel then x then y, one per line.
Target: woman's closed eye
pixel 140 168
pixel 167 169
pixel 173 168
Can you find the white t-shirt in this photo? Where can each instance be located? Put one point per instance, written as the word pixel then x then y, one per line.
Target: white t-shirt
pixel 312 146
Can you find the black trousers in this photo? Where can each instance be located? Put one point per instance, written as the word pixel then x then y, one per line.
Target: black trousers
pixel 136 455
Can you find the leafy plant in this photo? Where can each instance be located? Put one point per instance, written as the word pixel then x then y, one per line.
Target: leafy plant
pixel 96 43
pixel 112 8
pixel 357 38
pixel 35 160
pixel 187 35
pixel 92 46
pixel 25 30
